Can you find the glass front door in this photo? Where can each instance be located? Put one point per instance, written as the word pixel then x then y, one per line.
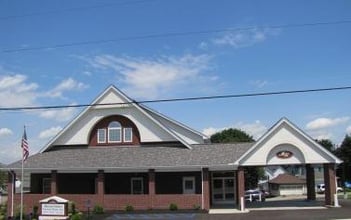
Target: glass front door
pixel 223 190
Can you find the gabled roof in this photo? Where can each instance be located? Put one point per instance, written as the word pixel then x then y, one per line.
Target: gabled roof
pixel 103 100
pixel 287 179
pixel 291 131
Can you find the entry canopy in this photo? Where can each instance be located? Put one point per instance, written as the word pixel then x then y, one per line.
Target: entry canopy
pixel 286 144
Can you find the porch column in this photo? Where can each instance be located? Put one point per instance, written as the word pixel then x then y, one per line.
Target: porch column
pixel 101 185
pixel 11 191
pixel 53 182
pixel 329 181
pixel 240 186
pixel 311 189
pixel 205 189
pixel 152 187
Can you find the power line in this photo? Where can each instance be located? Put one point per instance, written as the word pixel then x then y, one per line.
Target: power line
pixel 73 9
pixel 173 34
pixel 179 99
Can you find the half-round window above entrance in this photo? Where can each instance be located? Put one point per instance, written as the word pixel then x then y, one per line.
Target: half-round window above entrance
pixel 114 130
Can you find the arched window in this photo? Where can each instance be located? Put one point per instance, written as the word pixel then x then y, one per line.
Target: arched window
pixel 114 132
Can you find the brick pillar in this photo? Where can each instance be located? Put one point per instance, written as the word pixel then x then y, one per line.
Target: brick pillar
pixel 100 186
pixel 240 185
pixel 53 182
pixel 329 181
pixel 11 191
pixel 311 189
pixel 205 189
pixel 152 187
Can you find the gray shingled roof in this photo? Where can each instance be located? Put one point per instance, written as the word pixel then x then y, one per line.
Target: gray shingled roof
pixel 132 157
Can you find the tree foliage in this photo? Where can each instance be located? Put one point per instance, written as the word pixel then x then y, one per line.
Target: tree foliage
pixel 233 135
pixel 3 179
pixel 344 153
pixel 327 144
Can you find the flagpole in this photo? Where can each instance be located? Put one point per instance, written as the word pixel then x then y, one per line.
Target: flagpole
pixel 22 182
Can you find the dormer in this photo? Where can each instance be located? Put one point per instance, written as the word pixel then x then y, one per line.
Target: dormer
pixel 114 130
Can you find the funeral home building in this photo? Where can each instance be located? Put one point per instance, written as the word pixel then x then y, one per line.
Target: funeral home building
pixel 118 152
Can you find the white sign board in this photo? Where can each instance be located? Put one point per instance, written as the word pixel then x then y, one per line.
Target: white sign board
pixel 52 209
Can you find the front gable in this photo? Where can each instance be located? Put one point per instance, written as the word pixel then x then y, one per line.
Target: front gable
pixel 285 144
pixel 112 102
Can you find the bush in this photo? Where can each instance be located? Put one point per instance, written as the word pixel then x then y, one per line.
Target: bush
pixel 72 208
pixel 129 208
pixel 98 209
pixel 77 216
pixel 35 212
pixel 197 207
pixel 173 207
pixel 2 217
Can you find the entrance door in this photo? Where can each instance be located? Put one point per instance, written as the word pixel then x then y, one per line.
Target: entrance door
pixel 223 190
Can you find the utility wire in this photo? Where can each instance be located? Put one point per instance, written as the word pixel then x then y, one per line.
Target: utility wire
pixel 73 9
pixel 173 34
pixel 178 99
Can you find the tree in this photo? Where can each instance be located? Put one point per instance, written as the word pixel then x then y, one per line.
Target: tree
pixel 3 179
pixel 344 153
pixel 327 144
pixel 233 135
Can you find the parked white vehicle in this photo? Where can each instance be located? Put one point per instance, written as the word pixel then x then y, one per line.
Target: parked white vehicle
pixel 321 188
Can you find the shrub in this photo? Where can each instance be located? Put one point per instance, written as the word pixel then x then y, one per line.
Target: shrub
pixel 2 217
pixel 77 216
pixel 197 207
pixel 129 208
pixel 173 207
pixel 72 208
pixel 35 212
pixel 98 209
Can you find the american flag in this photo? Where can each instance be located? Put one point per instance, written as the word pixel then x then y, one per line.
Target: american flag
pixel 25 146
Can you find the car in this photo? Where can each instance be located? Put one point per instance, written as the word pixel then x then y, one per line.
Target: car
pixel 321 188
pixel 255 195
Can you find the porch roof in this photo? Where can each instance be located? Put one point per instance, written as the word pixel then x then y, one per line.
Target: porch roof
pixel 158 157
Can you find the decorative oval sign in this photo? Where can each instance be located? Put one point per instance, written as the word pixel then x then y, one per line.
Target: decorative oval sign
pixel 284 154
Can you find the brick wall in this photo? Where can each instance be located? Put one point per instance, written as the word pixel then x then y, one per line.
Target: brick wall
pixel 114 202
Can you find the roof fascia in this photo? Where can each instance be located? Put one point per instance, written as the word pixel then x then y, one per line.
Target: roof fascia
pixel 134 103
pixel 174 121
pixel 295 128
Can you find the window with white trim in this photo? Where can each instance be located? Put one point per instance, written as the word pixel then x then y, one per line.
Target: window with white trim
pixel 137 185
pixel 101 135
pixel 114 132
pixel 128 134
pixel 189 185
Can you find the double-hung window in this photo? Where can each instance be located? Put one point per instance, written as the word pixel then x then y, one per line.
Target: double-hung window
pixel 101 135
pixel 189 185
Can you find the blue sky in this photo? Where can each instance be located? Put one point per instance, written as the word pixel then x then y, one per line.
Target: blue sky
pixel 259 59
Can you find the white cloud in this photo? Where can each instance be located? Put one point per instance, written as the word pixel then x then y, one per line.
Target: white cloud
pixel 322 123
pixel 48 133
pixel 149 78
pixel 64 114
pixel 256 129
pixel 239 39
pixel 259 83
pixel 4 132
pixel 66 85
pixel 348 130
pixel 17 92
